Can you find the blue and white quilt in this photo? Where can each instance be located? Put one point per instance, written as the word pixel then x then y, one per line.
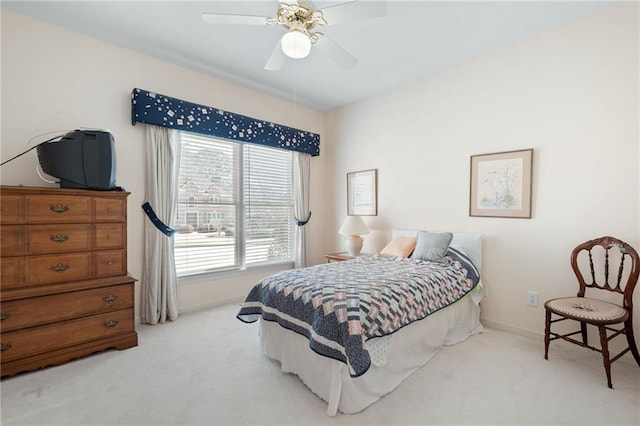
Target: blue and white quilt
pixel 340 305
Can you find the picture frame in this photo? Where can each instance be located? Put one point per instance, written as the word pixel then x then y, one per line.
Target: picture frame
pixel 501 184
pixel 362 193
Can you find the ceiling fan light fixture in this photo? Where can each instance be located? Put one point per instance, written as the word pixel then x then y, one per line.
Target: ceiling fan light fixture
pixel 296 44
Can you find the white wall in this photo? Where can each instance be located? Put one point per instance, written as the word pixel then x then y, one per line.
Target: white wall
pixel 571 94
pixel 53 80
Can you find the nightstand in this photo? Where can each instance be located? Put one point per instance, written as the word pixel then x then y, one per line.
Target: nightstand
pixel 338 257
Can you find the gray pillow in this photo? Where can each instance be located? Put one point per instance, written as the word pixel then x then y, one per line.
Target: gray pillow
pixel 432 246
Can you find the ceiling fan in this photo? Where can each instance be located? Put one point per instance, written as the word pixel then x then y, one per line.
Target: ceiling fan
pixel 300 20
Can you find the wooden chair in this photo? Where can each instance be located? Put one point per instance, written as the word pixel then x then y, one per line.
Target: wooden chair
pixel 591 261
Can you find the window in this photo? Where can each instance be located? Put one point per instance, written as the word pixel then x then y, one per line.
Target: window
pixel 235 206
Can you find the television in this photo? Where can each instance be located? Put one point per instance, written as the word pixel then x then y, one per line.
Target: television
pixel 83 159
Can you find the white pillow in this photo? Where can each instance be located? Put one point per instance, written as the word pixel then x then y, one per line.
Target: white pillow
pixel 432 246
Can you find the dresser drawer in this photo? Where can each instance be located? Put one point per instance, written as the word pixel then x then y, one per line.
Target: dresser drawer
pixel 110 210
pixel 11 272
pixel 111 262
pixel 42 310
pixel 110 235
pixel 12 240
pixel 57 238
pixel 10 209
pixel 57 209
pixel 58 267
pixel 37 340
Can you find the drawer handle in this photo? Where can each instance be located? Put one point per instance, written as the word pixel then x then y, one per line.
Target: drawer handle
pixel 59 238
pixel 5 347
pixel 4 316
pixel 59 208
pixel 110 298
pixel 60 267
pixel 111 323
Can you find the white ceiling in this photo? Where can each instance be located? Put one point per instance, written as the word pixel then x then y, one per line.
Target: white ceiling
pixel 413 39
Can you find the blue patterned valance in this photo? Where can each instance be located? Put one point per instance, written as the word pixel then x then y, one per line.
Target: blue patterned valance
pixel 160 110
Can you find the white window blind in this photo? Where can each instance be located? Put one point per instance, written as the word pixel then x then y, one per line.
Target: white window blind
pixel 268 201
pixel 235 206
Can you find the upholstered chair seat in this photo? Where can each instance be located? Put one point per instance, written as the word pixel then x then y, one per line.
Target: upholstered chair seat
pixel 593 311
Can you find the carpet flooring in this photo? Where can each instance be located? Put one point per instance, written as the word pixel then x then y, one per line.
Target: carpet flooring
pixel 206 369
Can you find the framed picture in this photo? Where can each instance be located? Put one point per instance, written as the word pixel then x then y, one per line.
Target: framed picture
pixel 501 184
pixel 362 196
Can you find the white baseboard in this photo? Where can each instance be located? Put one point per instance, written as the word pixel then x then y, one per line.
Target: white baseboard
pixel 513 330
pixel 209 305
pixel 202 307
pixel 539 336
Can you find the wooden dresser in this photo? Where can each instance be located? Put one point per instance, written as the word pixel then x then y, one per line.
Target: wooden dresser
pixel 65 291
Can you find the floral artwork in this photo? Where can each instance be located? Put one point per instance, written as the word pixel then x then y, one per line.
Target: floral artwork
pixel 501 184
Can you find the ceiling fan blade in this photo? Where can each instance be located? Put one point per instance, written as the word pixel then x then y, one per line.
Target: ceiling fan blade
pixel 333 50
pixel 221 18
pixel 289 2
pixel 277 58
pixel 353 11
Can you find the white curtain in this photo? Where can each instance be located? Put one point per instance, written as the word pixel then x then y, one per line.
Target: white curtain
pixel 159 282
pixel 301 183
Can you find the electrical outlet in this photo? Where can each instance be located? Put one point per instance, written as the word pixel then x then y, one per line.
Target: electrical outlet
pixel 532 299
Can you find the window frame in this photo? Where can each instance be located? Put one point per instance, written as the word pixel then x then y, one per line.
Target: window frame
pixel 240 241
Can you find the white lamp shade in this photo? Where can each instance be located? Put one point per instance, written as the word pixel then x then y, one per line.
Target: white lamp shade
pixel 295 44
pixel 353 225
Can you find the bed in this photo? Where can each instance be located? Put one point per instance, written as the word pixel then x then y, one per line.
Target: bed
pixel 352 364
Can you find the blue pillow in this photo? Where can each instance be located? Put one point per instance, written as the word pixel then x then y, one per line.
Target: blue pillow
pixel 432 246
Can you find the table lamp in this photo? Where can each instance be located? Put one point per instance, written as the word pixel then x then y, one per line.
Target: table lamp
pixel 353 227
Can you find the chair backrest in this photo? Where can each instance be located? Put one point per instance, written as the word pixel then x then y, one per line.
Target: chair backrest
pixel 603 254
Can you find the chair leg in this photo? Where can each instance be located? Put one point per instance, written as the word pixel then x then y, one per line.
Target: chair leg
pixel 547 334
pixel 628 325
pixel 583 328
pixel 605 354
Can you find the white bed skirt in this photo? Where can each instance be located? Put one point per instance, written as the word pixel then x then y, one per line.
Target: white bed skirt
pixel 410 348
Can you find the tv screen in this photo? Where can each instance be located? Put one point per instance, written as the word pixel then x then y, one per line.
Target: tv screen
pixel 82 159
